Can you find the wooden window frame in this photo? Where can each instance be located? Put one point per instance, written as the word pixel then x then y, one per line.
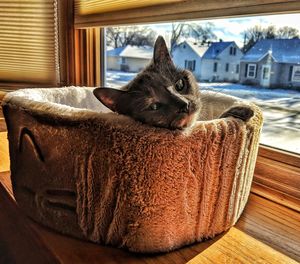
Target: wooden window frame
pixel 277 176
pixel 271 162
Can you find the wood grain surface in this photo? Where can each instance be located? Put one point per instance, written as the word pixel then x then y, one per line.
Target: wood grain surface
pixel 266 233
pixel 238 247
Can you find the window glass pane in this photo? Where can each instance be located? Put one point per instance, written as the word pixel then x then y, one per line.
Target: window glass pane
pixel 253 58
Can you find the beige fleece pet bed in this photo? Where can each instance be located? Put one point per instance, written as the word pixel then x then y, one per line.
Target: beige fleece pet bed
pixel 107 178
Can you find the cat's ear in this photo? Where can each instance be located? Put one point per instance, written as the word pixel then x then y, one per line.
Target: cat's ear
pixel 161 54
pixel 110 97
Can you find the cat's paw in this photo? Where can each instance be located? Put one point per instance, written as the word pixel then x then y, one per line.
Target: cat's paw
pixel 242 112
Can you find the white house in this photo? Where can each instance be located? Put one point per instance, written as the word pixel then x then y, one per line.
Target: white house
pixel 188 55
pixel 129 58
pixel 221 62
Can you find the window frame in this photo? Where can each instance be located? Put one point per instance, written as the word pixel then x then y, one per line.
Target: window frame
pixel 293 73
pixel 227 67
pixel 272 157
pixel 215 67
pixel 254 71
pixel 188 63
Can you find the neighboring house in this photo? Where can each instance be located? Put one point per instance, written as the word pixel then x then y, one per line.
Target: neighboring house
pixel 188 55
pixel 129 58
pixel 272 63
pixel 221 62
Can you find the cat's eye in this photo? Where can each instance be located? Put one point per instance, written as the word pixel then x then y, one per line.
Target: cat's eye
pixel 154 106
pixel 180 85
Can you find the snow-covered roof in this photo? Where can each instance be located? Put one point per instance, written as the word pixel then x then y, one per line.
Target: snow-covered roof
pixel 143 52
pixel 282 50
pixel 216 48
pixel 197 48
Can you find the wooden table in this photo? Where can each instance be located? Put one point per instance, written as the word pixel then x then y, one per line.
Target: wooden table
pixel 266 233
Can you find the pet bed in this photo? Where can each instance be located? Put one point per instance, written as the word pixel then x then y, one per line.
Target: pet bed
pixel 84 171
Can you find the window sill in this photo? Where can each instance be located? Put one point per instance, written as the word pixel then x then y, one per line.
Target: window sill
pixel 266 232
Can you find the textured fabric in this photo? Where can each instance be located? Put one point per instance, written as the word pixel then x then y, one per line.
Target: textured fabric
pixel 134 186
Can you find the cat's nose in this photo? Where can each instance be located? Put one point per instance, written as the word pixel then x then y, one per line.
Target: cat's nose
pixel 185 108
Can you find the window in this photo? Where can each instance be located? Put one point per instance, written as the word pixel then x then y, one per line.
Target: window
pixel 280 131
pixel 215 66
pixel 266 73
pixel 232 51
pixel 123 60
pixel 296 74
pixel 246 79
pixel 251 70
pixel 190 65
pixel 227 67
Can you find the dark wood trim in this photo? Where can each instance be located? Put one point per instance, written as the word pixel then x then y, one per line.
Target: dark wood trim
pixel 67 43
pixel 88 57
pixel 188 10
pixel 102 57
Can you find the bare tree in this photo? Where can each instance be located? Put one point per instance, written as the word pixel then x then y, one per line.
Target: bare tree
pixel 287 32
pixel 201 33
pixel 256 33
pixel 177 31
pixel 133 35
pixel 198 32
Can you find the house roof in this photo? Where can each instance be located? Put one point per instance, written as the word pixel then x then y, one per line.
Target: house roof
pixel 198 49
pixel 282 50
pixel 143 52
pixel 216 48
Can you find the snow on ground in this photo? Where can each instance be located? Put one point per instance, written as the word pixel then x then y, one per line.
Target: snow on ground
pixel 281 108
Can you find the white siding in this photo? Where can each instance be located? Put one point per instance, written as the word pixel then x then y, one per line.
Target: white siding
pixel 181 54
pixel 137 64
pixel 134 64
pixel 222 59
pixel 113 63
pixel 207 70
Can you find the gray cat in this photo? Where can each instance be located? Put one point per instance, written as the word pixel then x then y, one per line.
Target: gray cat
pixel 162 95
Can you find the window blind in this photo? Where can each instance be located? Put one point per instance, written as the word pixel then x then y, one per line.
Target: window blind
pixel 88 7
pixel 29 41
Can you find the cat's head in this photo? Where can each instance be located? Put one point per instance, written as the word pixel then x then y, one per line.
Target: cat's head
pixel 161 95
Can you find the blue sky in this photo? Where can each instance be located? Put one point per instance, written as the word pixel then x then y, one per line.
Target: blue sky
pixel 231 29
